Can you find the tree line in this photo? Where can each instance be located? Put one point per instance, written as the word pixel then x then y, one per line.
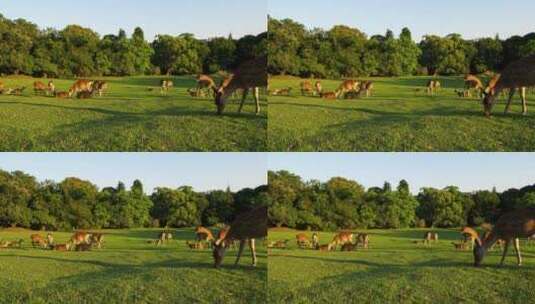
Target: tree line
pixel 78 51
pixel 343 51
pixel 79 204
pixel 342 203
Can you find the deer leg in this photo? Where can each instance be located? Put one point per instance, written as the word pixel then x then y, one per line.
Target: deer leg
pixel 257 99
pixel 505 251
pixel 517 251
pixel 511 94
pixel 242 244
pixel 524 104
pixel 253 250
pixel 245 92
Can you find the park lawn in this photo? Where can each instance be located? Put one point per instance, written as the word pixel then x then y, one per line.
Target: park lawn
pixel 395 118
pixel 395 270
pixel 127 270
pixel 128 117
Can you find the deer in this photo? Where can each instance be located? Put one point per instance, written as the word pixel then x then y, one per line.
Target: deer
pixel 245 228
pixel 348 86
pixel 204 234
pixel 342 238
pixel 471 82
pixel 38 241
pixel 62 247
pixel 203 82
pixel 363 239
pixel 39 87
pixel 80 237
pixel 284 91
pixel 459 246
pixel 517 75
pixel 318 87
pixel 249 75
pixel 51 88
pixel 469 235
pixel 433 86
pixel 165 85
pixel 302 240
pixel 50 239
pixel 97 239
pixel 306 88
pixel 510 227
pixel 367 87
pixel 11 244
pixel 15 91
pixel 81 85
pixel 315 240
pixel 164 237
pixel 99 86
pixel 195 245
pixel 430 237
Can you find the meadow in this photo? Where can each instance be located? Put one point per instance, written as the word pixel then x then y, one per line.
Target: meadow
pixel 131 116
pixel 396 270
pixel 128 270
pixel 395 118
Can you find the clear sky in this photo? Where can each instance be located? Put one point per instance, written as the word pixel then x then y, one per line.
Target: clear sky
pixel 468 171
pixel 205 19
pixel 471 18
pixel 202 171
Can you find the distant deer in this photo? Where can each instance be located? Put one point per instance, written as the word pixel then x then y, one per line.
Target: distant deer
pixel 100 87
pixel 363 239
pixel 38 240
pixel 430 237
pixel 315 240
pixel 517 75
pixel 246 228
pixel 509 227
pixel 348 86
pixel 62 94
pixel 80 237
pixel 342 238
pixel 61 247
pixel 279 92
pixel 433 86
pixel 459 246
pixel 306 88
pixel 329 95
pixel 366 87
pixel 51 88
pixel 302 240
pixel 318 87
pixel 250 75
pixel 204 82
pixel 97 239
pixel 50 239
pixel 81 85
pixel 39 87
pixel 165 85
pixel 204 234
pixel 471 82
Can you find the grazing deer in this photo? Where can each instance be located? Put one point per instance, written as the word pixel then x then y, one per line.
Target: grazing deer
pixel 302 240
pixel 249 75
pixel 433 86
pixel 363 239
pixel 204 82
pixel 342 238
pixel 39 87
pixel 81 85
pixel 11 244
pixel 471 82
pixel 318 87
pixel 80 237
pixel 16 91
pixel 367 87
pixel 430 237
pixel 306 88
pixel 519 74
pixel 284 91
pixel 99 86
pixel 509 227
pixel 97 239
pixel 282 244
pixel 315 240
pixel 348 86
pixel 165 85
pixel 38 241
pixel 246 228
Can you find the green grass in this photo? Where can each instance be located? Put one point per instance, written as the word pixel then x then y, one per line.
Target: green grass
pixel 127 118
pixel 395 270
pixel 127 270
pixel 395 119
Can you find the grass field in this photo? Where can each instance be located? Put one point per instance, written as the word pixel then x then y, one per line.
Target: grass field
pixel 395 270
pixel 396 118
pixel 127 270
pixel 127 118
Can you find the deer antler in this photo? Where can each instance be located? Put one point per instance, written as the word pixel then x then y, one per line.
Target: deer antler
pixel 470 231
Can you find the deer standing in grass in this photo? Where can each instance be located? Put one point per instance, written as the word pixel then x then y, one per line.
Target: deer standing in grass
pixel 348 86
pixel 306 87
pixel 39 87
pixel 81 85
pixel 517 75
pixel 433 86
pixel 302 240
pixel 245 228
pixel 250 75
pixel 509 227
pixel 342 238
pixel 430 237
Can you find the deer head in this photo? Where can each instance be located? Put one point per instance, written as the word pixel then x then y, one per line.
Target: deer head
pixel 489 94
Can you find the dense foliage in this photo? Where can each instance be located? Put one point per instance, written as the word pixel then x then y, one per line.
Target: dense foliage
pixel 76 203
pixel 345 204
pixel 347 52
pixel 77 51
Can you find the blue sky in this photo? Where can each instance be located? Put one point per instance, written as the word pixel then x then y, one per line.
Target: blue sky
pixel 471 18
pixel 205 19
pixel 203 171
pixel 468 171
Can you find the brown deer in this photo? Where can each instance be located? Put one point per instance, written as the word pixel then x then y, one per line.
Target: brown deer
pixel 38 241
pixel 282 92
pixel 517 75
pixel 329 95
pixel 433 86
pixel 302 240
pixel 245 228
pixel 39 87
pixel 100 87
pixel 61 247
pixel 80 237
pixel 306 88
pixel 204 82
pixel 315 240
pixel 51 88
pixel 342 238
pixel 363 239
pixel 366 87
pixel 97 239
pixel 81 85
pixel 471 82
pixel 430 237
pixel 165 85
pixel 348 86
pixel 509 227
pixel 318 87
pixel 62 94
pixel 249 75
pixel 11 244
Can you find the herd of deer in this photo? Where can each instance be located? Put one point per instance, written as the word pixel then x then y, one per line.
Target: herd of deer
pixel 79 241
pixel 82 89
pixel 348 89
pixel 343 239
